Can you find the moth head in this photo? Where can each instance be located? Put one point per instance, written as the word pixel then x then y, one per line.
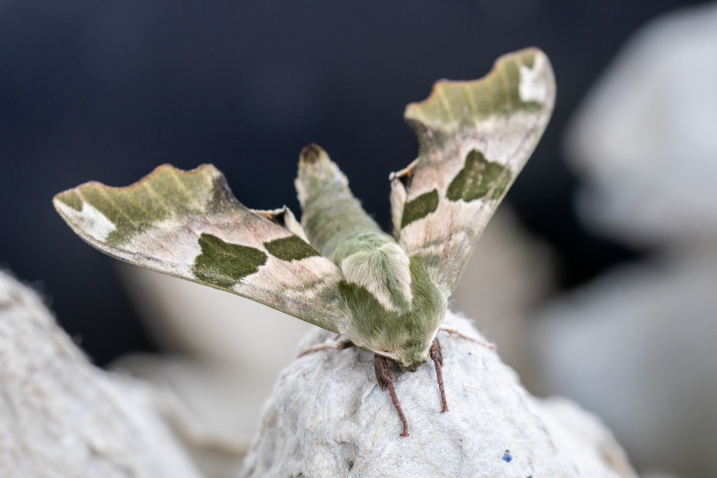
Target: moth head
pixel 413 355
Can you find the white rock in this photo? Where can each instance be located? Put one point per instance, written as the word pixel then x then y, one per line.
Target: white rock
pixel 61 417
pixel 213 408
pixel 327 417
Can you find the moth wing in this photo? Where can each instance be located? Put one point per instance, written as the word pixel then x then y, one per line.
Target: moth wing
pixel 188 224
pixel 474 138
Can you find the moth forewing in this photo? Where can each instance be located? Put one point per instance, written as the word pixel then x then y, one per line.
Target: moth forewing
pixel 474 137
pixel 189 225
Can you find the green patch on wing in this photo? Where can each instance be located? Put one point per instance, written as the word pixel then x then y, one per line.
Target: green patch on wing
pixel 419 207
pixel 290 248
pixel 223 264
pixel 167 193
pixel 479 179
pixel 457 105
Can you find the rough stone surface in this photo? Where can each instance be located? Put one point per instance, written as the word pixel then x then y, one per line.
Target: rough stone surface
pixel 61 417
pixel 327 417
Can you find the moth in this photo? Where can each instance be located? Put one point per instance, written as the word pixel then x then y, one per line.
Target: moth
pixel 337 268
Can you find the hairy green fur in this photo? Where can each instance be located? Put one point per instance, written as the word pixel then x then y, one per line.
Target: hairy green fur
pixel 405 336
pixel 401 326
pixel 331 214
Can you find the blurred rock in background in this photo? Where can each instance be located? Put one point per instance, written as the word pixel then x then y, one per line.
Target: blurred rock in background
pixel 508 276
pixel 61 417
pixel 223 354
pixel 637 345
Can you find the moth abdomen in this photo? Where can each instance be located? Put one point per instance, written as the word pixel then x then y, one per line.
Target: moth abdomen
pixel 330 212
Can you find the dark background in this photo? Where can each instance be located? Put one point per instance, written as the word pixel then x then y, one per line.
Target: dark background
pixel 108 90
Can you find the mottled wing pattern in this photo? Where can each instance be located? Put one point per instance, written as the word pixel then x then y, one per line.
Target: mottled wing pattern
pixel 188 224
pixel 474 139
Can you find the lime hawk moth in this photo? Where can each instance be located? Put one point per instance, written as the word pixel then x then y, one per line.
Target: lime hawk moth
pixel 336 268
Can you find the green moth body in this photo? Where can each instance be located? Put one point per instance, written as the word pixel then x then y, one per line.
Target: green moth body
pixel 395 307
pixel 336 268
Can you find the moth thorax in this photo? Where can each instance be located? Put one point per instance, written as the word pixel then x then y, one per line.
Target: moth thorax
pixel 384 272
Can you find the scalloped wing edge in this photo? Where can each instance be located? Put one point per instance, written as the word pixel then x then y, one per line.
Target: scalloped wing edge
pixel 474 138
pixel 188 224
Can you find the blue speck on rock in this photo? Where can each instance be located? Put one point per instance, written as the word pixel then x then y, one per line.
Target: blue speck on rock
pixel 507 457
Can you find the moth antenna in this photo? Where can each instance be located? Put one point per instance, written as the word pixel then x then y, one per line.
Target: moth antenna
pixel 334 344
pixel 454 331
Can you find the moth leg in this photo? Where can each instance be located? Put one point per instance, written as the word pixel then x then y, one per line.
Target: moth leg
pixel 385 379
pixel 437 357
pixel 336 343
pixel 454 331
